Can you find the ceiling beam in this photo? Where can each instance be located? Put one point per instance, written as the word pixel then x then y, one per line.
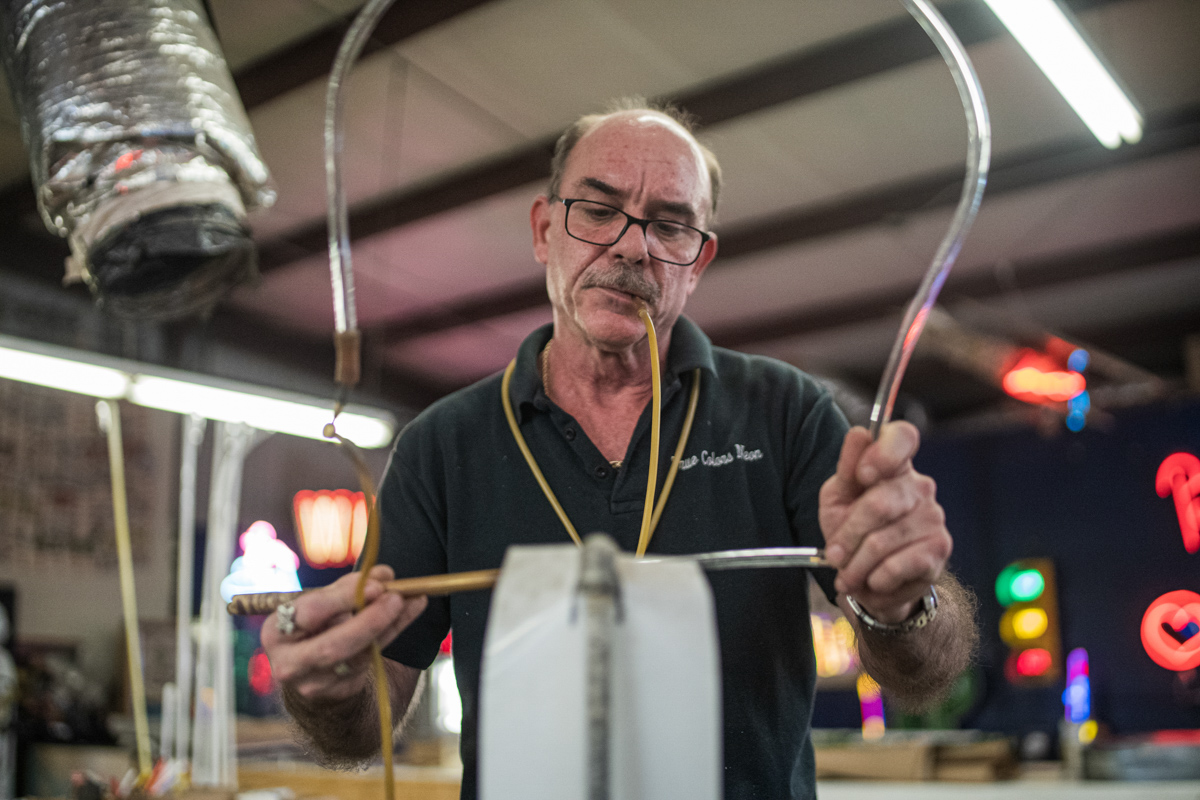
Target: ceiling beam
pixel 888 46
pixel 30 251
pixel 38 259
pixel 1164 134
pixel 1030 275
pixel 980 284
pixel 311 58
pixel 303 351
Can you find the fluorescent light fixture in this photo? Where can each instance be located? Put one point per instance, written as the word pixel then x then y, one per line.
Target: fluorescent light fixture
pixel 1060 52
pixel 188 393
pixel 62 373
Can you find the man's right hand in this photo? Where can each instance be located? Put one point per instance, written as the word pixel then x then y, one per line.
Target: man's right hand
pixel 327 657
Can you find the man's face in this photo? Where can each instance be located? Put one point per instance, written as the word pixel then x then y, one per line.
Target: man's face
pixel 645 165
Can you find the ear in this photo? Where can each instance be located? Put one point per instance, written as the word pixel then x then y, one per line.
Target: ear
pixel 707 253
pixel 539 223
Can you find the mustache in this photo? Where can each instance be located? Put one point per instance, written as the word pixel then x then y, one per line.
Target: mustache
pixel 628 280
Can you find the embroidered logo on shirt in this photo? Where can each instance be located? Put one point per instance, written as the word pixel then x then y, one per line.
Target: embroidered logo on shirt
pixel 713 459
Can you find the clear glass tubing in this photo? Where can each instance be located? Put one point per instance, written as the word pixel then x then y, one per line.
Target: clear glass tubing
pixel 979 153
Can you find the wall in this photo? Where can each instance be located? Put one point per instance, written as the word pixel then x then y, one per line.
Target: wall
pixel 57 547
pixel 56 525
pixel 279 467
pixel 1087 501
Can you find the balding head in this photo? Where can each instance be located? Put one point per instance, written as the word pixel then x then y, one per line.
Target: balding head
pixel 636 110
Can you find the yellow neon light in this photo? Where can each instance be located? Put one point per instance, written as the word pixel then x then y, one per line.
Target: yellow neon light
pixel 1030 623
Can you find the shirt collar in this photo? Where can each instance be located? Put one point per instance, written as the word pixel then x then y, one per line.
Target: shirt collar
pixel 690 349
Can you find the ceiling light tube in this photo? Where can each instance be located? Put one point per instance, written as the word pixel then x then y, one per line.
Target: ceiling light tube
pixel 187 393
pixel 1048 36
pixel 63 373
pixel 29 362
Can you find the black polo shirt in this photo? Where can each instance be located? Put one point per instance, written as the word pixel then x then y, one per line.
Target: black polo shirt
pixel 457 493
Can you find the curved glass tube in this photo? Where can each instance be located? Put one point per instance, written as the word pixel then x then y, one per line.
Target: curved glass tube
pixel 341 268
pixel 979 153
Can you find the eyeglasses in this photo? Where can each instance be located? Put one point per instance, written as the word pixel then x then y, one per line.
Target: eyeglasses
pixel 602 224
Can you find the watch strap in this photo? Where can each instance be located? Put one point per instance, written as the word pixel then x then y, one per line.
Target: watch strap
pixel 924 613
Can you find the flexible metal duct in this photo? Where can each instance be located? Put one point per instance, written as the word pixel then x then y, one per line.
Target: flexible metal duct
pixel 140 149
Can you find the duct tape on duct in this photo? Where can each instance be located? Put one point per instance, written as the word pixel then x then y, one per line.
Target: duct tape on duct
pixel 140 150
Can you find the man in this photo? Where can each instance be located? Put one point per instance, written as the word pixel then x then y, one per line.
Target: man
pixel 769 462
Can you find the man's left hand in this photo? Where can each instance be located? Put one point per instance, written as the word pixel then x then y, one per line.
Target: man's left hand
pixel 884 529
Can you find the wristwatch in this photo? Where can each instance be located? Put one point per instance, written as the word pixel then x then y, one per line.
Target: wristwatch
pixel 924 613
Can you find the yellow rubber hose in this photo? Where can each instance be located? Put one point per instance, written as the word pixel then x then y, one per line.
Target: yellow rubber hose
pixel 110 420
pixel 655 426
pixel 370 555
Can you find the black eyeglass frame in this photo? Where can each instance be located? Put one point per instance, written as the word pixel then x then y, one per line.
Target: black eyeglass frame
pixel 630 219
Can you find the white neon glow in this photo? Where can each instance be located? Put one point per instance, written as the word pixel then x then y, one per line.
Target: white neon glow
pixel 184 393
pixel 1054 44
pixel 62 373
pixel 266 564
pixel 447 702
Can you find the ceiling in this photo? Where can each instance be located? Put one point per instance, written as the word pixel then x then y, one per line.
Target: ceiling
pixel 842 142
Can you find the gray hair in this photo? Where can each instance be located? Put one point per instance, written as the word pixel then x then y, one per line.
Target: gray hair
pixel 578 129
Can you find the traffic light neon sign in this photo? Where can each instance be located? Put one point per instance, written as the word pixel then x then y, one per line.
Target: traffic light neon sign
pixel 1029 626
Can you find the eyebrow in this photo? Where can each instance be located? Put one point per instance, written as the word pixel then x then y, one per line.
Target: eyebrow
pixel 681 209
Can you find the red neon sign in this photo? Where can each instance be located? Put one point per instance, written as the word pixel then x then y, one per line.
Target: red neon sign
pixel 1031 663
pixel 1171 630
pixel 1179 476
pixel 1037 379
pixel 332 525
pixel 259 670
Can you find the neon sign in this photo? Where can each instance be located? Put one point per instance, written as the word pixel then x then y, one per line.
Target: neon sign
pixel 1077 697
pixel 870 699
pixel 259 671
pixel 1029 624
pixel 332 525
pixel 1179 476
pixel 266 564
pixel 1171 630
pixel 1077 411
pixel 833 645
pixel 1037 379
pixel 1033 663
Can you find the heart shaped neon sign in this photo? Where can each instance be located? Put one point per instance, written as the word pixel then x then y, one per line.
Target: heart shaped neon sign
pixel 1171 630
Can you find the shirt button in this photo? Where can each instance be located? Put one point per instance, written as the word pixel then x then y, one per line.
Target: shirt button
pixel 601 471
pixel 570 434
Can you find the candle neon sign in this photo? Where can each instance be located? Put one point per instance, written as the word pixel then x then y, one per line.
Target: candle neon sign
pixel 332 525
pixel 1179 476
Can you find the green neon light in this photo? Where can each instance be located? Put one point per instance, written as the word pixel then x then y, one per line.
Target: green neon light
pixel 1017 584
pixel 1027 585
